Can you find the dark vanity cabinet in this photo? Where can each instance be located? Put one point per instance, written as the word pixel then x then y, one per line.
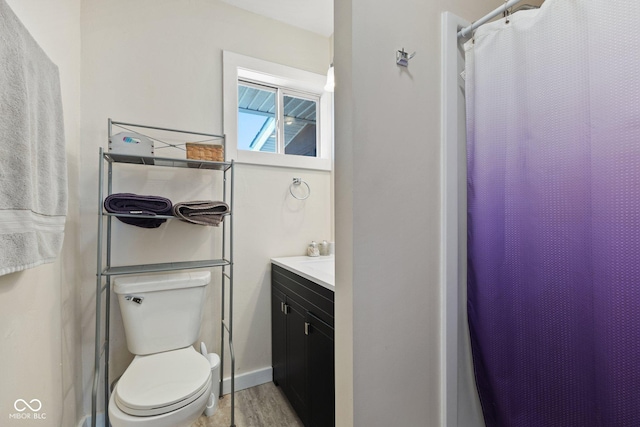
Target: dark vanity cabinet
pixel 303 345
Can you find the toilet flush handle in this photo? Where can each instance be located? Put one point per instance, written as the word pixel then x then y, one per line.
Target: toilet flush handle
pixel 137 300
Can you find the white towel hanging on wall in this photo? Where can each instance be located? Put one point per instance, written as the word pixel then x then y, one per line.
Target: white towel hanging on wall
pixel 33 169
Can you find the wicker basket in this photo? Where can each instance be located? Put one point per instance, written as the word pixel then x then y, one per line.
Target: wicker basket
pixel 209 152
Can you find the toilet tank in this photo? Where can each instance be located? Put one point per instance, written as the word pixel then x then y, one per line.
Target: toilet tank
pixel 161 312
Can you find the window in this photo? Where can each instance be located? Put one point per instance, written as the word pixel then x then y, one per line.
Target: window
pixel 276 115
pixel 276 120
pixel 257 125
pixel 300 130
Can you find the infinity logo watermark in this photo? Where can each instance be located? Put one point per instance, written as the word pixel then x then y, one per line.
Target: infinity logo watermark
pixel 21 403
pixel 34 405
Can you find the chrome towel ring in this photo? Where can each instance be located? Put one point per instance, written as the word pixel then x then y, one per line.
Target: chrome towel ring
pixel 299 181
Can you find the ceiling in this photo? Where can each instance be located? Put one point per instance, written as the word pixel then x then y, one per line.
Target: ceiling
pixel 312 15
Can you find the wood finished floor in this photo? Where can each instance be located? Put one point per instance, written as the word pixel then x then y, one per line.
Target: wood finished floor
pixel 261 406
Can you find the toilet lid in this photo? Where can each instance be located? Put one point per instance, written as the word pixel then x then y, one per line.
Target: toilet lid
pixel 163 382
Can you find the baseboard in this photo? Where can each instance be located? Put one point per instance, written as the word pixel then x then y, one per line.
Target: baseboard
pixel 248 379
pixel 242 381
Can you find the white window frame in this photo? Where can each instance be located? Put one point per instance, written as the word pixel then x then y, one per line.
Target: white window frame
pixel 292 81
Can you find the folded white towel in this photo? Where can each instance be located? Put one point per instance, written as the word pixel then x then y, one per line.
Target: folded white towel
pixel 33 169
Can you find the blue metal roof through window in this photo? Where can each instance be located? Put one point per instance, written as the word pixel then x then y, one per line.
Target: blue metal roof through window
pixel 257 121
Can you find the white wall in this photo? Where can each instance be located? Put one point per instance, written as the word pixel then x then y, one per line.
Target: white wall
pixel 160 63
pixel 387 210
pixel 39 354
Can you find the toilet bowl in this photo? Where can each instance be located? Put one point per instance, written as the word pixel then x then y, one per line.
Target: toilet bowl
pixel 168 383
pixel 169 389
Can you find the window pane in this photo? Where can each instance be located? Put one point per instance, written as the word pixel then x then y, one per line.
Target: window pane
pixel 256 119
pixel 300 136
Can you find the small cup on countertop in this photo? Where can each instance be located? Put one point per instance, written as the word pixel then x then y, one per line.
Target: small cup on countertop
pixel 324 248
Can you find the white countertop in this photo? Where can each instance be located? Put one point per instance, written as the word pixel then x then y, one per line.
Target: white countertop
pixel 320 270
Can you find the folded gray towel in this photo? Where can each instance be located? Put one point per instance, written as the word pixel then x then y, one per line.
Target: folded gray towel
pixel 201 212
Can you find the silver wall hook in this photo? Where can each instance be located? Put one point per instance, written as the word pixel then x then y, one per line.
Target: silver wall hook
pixel 402 57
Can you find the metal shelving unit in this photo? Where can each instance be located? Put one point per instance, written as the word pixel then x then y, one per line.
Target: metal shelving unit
pixel 105 270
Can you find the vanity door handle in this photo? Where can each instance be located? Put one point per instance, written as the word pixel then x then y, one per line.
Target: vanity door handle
pixel 284 307
pixel 306 328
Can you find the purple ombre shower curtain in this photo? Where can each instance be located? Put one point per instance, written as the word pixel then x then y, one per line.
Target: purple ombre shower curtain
pixel 553 129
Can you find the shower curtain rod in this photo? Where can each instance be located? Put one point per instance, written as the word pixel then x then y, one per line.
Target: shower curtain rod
pixel 466 32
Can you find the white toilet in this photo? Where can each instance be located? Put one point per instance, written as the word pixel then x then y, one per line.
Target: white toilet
pixel 168 383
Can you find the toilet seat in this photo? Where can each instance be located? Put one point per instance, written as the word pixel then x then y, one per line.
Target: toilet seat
pixel 159 383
